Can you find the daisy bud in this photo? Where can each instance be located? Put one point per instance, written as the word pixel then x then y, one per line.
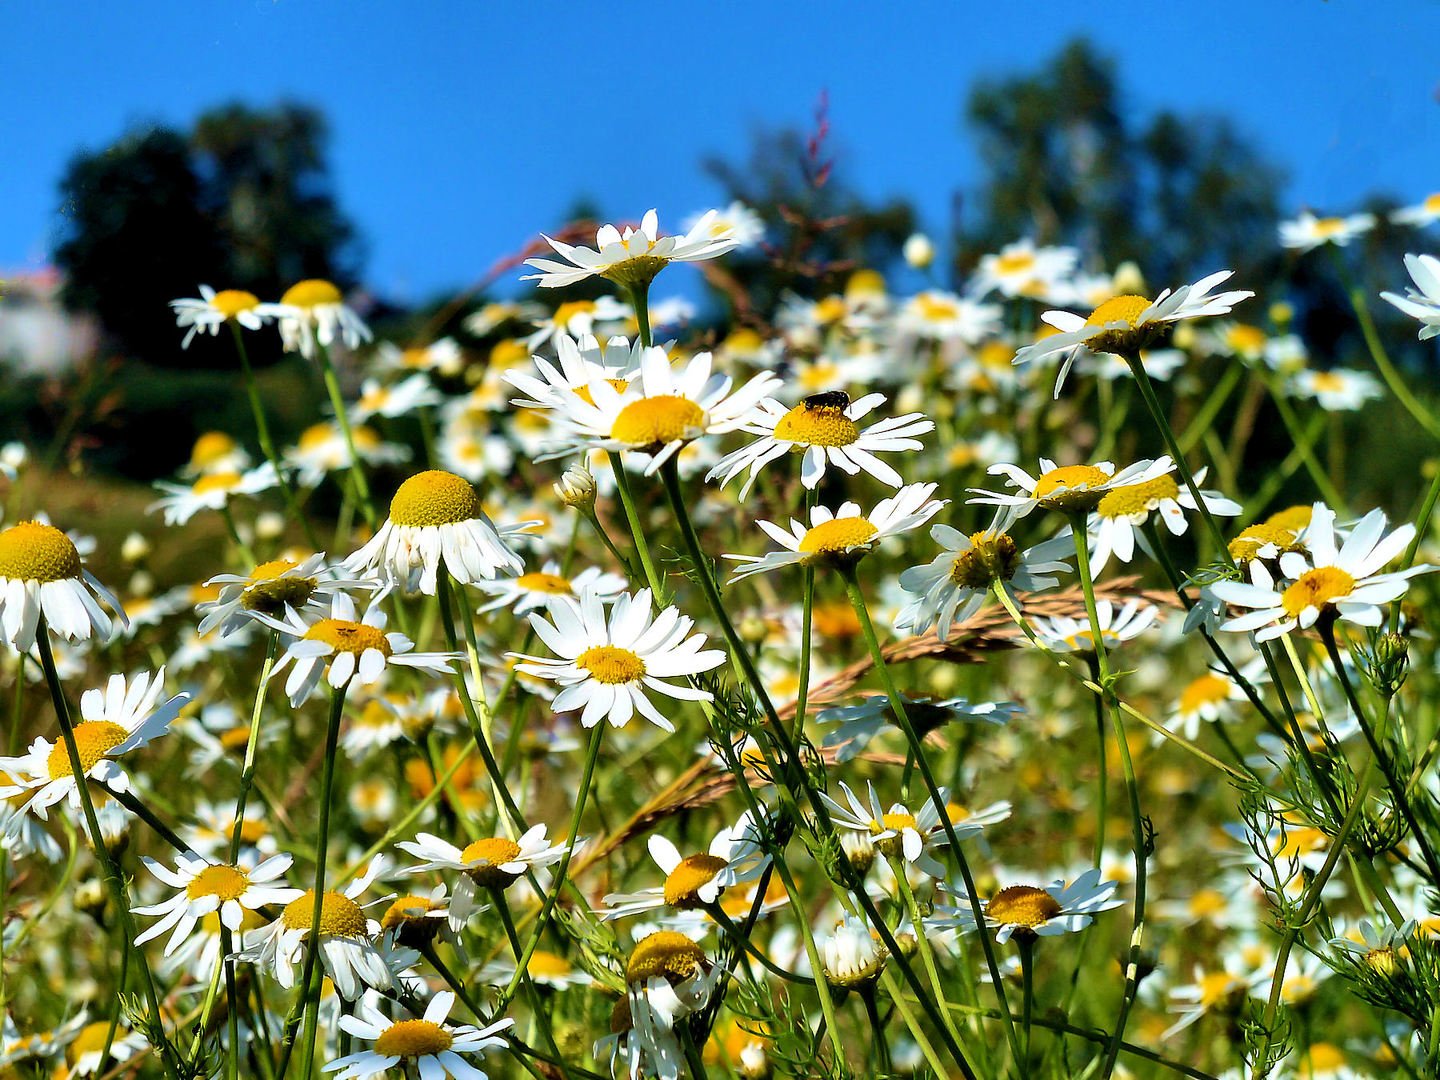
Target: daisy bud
pixel 753 630
pixel 858 848
pixel 91 898
pixel 852 958
pixel 269 526
pixel 576 488
pixel 142 583
pixel 1128 278
pixel 1280 314
pixel 134 548
pixel 919 251
pixel 1390 663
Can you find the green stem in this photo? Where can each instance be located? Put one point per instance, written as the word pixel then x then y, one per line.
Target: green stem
pixel 252 742
pixel 342 419
pixel 637 527
pixel 522 970
pixel 1423 416
pixel 1026 944
pixel 877 1030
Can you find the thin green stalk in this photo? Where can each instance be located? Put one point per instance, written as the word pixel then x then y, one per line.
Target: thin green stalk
pixel 97 840
pixel 235 538
pixel 252 742
pixel 922 939
pixel 812 952
pixel 1423 416
pixel 1026 944
pixel 522 970
pixel 342 419
pixel 1204 419
pixel 877 1028
pixel 637 527
pixel 1323 484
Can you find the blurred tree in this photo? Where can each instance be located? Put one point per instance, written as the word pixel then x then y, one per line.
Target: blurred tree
pixel 244 201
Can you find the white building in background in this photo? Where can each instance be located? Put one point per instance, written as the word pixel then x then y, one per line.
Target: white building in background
pixel 37 335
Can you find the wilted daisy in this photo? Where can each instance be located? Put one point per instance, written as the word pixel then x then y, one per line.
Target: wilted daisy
pixel 538 590
pixel 823 427
pixel 1064 634
pixel 214 309
pixel 732 858
pixel 1422 301
pixel 492 862
pixel 436 519
pixel 125 716
pixel 1127 324
pixel 41 574
pixel 1066 488
pixel 606 665
pixel 340 647
pixel 1307 232
pixel 428 1045
pixel 842 536
pixel 953 586
pixel 1030 911
pixel 1113 525
pixel 347 939
pixel 631 258
pixel 403 398
pixel 667 978
pixel 282 588
pixel 658 413
pixel 314 311
pixel 1341 581
pixel 212 491
pixel 1337 390
pixel 206 887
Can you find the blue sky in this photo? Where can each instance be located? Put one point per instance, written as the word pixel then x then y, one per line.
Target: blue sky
pixel 461 129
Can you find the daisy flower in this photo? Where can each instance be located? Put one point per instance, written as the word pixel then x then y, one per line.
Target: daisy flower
pixel 413 920
pixel 858 724
pixel 1022 269
pixel 491 863
pixel 125 716
pixel 1204 700
pixel 1308 232
pixel 322 450
pixel 823 427
pixel 658 413
pixel 580 362
pixel 206 887
pixel 436 519
pixel 443 357
pixel 41 575
pixel 1113 525
pixel 852 957
pixel 1064 634
pixel 340 648
pixel 667 978
pixel 538 590
pixel 213 310
pixel 1337 390
pixel 427 1047
pixel 314 312
pixel 407 396
pixel 606 665
pixel 347 939
pixel 1220 991
pixel 631 258
pixel 734 857
pixel 1067 488
pixel 215 452
pixel 953 586
pixel 212 491
pixel 1421 214
pixel 1422 301
pixel 934 315
pixel 899 833
pixel 1030 911
pixel 1126 324
pixel 1341 581
pixel 282 588
pixel 546 969
pixel 84 1052
pixel 745 227
pixel 579 318
pixel 842 536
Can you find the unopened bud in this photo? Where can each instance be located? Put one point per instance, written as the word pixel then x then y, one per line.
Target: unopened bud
pixel 134 548
pixel 269 525
pixel 1280 314
pixel 91 898
pixel 577 488
pixel 1391 663
pixel 1128 279
pixel 753 630
pixel 919 251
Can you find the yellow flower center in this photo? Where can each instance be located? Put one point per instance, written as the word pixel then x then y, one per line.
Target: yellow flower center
pixel 829 310
pixel 584 394
pixel 415 357
pixel 1206 902
pixel 744 341
pixel 220 481
pixel 991 557
pixel 1126 309
pixel 1328 227
pixel 1246 547
pixel 684 882
pixel 1208 689
pixel 570 309
pixel 1023 905
pixel 1316 588
pixel 1293 518
pixel 1322 1058
pixel 345 636
pixel 837 536
pixel 1220 988
pixel 225 882
pixel 956 813
pixel 1015 263
pixel 33 551
pixel 1327 382
pixel 897 821
pixel 232 302
pixel 1382 961
pixel 406 910
pixel 272 592
pixel 91 1040
pixel 433 498
pixel 1071 487
pixel 485 857
pixel 656 421
pixel 211 447
pixel 546 965
pixel 549 584
pixel 1137 499
pixel 865 284
pixel 339 915
pixel 611 664
pixel 665 954
pixel 94 739
pixel 413 1039
pixel 312 293
pixel 1244 338
pixel 811 425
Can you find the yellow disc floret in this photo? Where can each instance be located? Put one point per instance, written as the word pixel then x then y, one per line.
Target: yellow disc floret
pixel 343 635
pixel 683 884
pixel 211 448
pixel 1316 588
pixel 817 425
pixel 233 302
pixel 217 481
pixel 93 739
pixel 1208 689
pixel 311 293
pixel 665 954
pixel 484 858
pixel 34 551
pixel 434 497
pixel 549 584
pixel 1071 488
pixel 653 422
pixel 1126 309
pixel 611 664
pixel 991 557
pixel 837 536
pixel 1023 905
pixel 1137 500
pixel 223 882
pixel 412 1039
pixel 273 591
pixel 339 915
